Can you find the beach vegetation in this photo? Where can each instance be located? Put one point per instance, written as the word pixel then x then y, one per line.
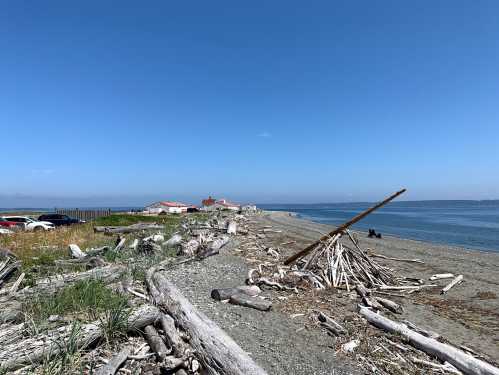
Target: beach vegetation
pixel 84 301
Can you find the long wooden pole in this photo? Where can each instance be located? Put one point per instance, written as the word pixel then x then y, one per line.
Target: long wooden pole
pixel 341 228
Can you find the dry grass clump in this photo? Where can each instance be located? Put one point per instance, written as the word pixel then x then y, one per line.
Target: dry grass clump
pixel 34 248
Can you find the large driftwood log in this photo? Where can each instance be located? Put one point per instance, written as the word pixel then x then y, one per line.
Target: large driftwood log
pixel 445 352
pixel 218 353
pixel 35 349
pixel 129 229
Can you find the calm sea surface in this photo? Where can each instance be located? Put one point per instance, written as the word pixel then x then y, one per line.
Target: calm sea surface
pixel 468 224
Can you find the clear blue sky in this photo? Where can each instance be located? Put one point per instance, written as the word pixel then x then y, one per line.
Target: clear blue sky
pixel 268 101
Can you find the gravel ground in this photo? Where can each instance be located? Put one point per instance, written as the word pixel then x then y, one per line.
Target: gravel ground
pixel 271 338
pixel 467 315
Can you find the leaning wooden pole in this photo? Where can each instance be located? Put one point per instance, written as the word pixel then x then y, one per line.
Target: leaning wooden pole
pixel 341 228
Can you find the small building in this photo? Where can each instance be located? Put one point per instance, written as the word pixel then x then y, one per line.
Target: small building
pixel 208 201
pixel 211 204
pixel 167 207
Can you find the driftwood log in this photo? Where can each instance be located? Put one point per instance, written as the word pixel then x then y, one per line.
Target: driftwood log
pixel 232 227
pixel 120 242
pixel 248 301
pixel 225 293
pixel 129 229
pixel 76 252
pixel 374 255
pixel 35 349
pixel 8 270
pixel 114 363
pixel 173 240
pixel 390 305
pixel 217 352
pixel 455 281
pixel 88 261
pixel 174 342
pixel 445 352
pixel 440 276
pixel 156 342
pixel 213 248
pixel 331 325
pixel 364 293
pixel 10 333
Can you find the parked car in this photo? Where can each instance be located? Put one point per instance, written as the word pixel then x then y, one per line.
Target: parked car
pixel 28 223
pixel 8 224
pixel 59 220
pixel 5 231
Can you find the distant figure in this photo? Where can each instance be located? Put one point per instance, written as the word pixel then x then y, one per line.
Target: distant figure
pixel 372 233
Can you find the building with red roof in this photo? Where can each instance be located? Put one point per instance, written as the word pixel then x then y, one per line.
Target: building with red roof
pixel 167 206
pixel 211 204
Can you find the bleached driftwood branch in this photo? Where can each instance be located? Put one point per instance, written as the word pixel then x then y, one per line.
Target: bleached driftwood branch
pixel 457 280
pixel 445 352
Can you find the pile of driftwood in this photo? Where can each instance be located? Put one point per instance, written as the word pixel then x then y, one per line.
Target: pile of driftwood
pixel 166 332
pixel 178 338
pixel 341 265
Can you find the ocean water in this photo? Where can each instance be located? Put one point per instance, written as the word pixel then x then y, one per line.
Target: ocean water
pixel 467 224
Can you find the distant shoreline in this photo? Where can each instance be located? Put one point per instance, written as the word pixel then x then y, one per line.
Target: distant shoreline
pixel 467 226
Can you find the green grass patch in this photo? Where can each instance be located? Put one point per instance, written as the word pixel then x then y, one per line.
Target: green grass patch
pixel 86 301
pixel 123 219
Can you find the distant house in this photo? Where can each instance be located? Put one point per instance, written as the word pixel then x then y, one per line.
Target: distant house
pixel 208 201
pixel 167 207
pixel 211 204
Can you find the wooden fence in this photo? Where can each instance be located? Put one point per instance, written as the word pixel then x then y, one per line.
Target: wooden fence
pixel 83 214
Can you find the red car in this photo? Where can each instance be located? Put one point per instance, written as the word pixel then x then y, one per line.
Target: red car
pixel 7 224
